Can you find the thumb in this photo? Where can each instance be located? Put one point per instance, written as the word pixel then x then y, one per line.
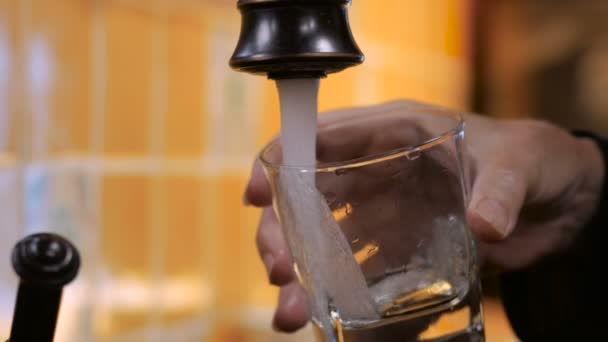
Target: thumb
pixel 497 198
pixel 258 190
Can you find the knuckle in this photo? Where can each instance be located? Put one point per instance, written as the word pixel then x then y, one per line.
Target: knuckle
pixel 532 131
pixel 259 239
pixel 510 180
pixel 261 236
pixel 530 138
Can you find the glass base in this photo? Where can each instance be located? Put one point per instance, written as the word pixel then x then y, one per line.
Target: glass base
pixel 461 322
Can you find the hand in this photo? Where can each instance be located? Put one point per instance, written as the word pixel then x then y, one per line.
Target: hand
pixel 534 187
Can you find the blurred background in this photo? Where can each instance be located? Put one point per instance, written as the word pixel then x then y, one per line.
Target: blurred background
pixel 123 128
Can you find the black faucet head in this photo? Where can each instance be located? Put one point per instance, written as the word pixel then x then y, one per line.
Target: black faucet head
pixel 295 38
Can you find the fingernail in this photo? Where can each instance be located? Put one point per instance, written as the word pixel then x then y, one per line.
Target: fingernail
pixel 494 214
pixel 268 262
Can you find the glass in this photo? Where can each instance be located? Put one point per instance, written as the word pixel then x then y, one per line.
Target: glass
pixel 377 229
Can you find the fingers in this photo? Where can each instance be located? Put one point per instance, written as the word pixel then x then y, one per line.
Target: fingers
pixel 369 135
pixel 258 190
pixel 352 133
pixel 274 250
pixel 346 135
pixel 498 195
pixel 343 115
pixel 293 311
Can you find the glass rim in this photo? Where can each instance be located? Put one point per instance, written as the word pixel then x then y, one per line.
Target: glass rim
pixel 371 158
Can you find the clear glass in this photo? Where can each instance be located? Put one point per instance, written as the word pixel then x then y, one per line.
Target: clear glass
pixel 377 229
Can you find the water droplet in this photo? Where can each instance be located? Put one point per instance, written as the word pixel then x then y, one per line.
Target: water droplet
pixel 334 314
pixel 397 174
pixel 330 198
pixel 341 172
pixel 414 154
pixel 394 270
pixel 366 252
pixel 356 240
pixel 373 250
pixel 348 209
pixel 341 210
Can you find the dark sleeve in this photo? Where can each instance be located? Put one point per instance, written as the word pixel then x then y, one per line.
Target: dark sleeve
pixel 563 298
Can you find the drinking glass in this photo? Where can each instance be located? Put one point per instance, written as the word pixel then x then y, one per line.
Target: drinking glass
pixel 377 228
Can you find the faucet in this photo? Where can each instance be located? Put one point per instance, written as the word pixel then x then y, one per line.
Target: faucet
pixel 295 38
pixel 45 263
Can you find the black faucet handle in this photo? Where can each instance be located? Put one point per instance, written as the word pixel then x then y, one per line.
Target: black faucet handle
pixel 45 263
pixel 45 260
